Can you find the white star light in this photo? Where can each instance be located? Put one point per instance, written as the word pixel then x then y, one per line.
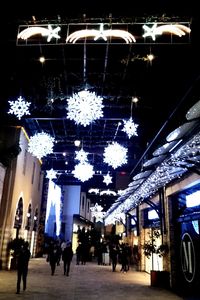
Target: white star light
pixel 84 107
pixel 130 128
pixel 97 212
pixel 101 34
pixel 49 32
pixel 51 174
pixel 108 192
pixel 19 107
pixel 95 191
pixel 115 155
pixel 83 171
pixel 107 179
pixel 41 144
pixel 176 29
pixel 81 156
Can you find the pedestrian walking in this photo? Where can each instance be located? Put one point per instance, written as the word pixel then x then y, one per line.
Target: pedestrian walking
pixel 113 256
pixel 78 254
pixel 67 258
pixel 52 257
pixel 23 258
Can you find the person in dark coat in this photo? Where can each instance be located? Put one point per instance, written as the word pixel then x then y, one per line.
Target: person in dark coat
pixel 78 254
pixel 22 266
pixel 53 257
pixel 67 258
pixel 113 256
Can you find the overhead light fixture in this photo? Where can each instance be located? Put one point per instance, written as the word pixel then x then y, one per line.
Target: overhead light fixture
pixel 19 107
pixel 115 155
pixel 84 107
pixel 101 34
pixel 135 99
pixel 41 144
pixel 77 143
pixel 42 59
pixel 150 57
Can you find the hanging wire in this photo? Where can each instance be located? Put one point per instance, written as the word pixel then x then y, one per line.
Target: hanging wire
pixel 84 64
pixel 119 123
pixel 131 108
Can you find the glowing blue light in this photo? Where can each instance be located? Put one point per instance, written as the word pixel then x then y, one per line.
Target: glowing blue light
pixel 53 201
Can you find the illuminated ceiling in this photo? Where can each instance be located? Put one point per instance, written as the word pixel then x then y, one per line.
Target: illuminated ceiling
pixel 115 70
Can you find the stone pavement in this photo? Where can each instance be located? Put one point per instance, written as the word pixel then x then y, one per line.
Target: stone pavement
pixel 85 282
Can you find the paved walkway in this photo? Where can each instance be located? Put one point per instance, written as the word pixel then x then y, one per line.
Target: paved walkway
pixel 85 282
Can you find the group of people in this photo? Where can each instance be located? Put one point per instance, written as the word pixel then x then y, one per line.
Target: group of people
pixel 117 254
pixel 57 252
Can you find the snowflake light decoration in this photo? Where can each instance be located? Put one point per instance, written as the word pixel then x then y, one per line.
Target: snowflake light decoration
pixel 97 212
pixel 41 144
pixel 19 107
pixel 81 156
pixel 83 171
pixel 130 128
pixel 107 179
pixel 120 157
pixel 84 107
pixel 51 174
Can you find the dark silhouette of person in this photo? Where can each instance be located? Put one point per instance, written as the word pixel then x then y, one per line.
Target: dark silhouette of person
pixel 99 254
pixel 67 255
pixel 113 256
pixel 124 258
pixel 23 258
pixel 78 254
pixel 53 257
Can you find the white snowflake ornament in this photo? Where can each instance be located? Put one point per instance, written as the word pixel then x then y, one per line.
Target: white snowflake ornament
pixel 107 179
pixel 41 144
pixel 81 156
pixel 84 107
pixel 97 212
pixel 120 155
pixel 19 107
pixel 130 128
pixel 51 174
pixel 83 171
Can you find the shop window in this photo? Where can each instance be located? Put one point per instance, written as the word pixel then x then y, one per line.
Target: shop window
pixel 28 218
pixel 19 214
pixel 193 199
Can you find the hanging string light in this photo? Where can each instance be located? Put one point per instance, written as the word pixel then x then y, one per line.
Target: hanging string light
pixel 120 157
pixel 129 126
pixel 84 107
